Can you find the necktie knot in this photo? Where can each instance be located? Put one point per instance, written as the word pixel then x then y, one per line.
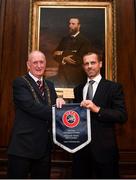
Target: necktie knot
pixel 91 82
pixel 39 82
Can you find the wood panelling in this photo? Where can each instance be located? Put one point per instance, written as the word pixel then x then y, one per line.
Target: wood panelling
pixel 14 45
pixel 126 66
pixel 14 31
pixel 62 166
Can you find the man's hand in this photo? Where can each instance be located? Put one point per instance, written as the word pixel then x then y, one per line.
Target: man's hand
pixel 90 105
pixel 60 102
pixel 68 60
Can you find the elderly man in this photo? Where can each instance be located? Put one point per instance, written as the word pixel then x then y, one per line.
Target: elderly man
pixel 29 150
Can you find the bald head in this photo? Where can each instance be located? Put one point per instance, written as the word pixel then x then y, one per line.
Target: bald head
pixel 36 53
pixel 36 63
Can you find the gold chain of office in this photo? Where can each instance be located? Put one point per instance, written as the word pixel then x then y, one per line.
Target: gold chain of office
pixel 34 93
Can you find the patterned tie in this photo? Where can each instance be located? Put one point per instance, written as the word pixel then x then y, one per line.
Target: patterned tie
pixel 90 90
pixel 41 86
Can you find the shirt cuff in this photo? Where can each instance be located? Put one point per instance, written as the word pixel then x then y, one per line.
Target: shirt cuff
pixel 63 61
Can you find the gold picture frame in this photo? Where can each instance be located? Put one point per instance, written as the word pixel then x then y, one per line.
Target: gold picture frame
pixel 48 23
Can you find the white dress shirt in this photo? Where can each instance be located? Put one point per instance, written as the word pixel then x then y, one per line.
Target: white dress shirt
pixel 35 78
pixel 95 85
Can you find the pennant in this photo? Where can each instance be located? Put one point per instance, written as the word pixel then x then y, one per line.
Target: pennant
pixel 71 127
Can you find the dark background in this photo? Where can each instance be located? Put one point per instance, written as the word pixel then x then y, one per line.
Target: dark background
pixel 14 35
pixel 54 25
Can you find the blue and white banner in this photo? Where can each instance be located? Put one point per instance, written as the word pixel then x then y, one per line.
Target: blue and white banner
pixel 71 127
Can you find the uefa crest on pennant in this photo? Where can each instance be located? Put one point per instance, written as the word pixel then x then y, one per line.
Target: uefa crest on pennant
pixel 71 127
pixel 71 118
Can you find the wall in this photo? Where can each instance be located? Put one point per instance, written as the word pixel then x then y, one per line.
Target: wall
pixel 14 30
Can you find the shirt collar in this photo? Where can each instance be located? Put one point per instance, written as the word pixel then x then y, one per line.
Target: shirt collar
pixel 96 79
pixel 75 34
pixel 35 78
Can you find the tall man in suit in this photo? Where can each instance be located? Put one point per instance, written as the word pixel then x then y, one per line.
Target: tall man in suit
pixel 100 158
pixel 30 145
pixel 69 55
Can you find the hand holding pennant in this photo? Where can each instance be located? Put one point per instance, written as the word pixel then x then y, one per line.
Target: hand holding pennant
pixel 71 127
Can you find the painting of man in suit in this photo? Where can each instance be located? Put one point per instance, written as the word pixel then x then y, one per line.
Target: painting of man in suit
pixel 56 27
pixel 69 55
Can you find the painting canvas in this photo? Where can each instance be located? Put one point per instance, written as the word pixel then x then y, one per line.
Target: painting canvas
pixel 49 24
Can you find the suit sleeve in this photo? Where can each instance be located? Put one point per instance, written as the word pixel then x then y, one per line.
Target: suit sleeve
pixel 116 112
pixel 83 49
pixel 81 45
pixel 25 101
pixel 59 58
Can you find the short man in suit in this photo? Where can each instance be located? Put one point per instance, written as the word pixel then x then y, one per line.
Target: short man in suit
pixel 30 145
pixel 69 55
pixel 100 158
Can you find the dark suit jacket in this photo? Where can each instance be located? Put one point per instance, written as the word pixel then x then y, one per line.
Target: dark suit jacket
pixel 30 135
pixel 109 96
pixel 78 46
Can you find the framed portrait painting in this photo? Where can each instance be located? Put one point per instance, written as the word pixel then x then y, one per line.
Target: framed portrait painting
pixel 50 24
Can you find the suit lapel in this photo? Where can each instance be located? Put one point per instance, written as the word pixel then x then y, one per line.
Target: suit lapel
pixel 100 91
pixel 34 85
